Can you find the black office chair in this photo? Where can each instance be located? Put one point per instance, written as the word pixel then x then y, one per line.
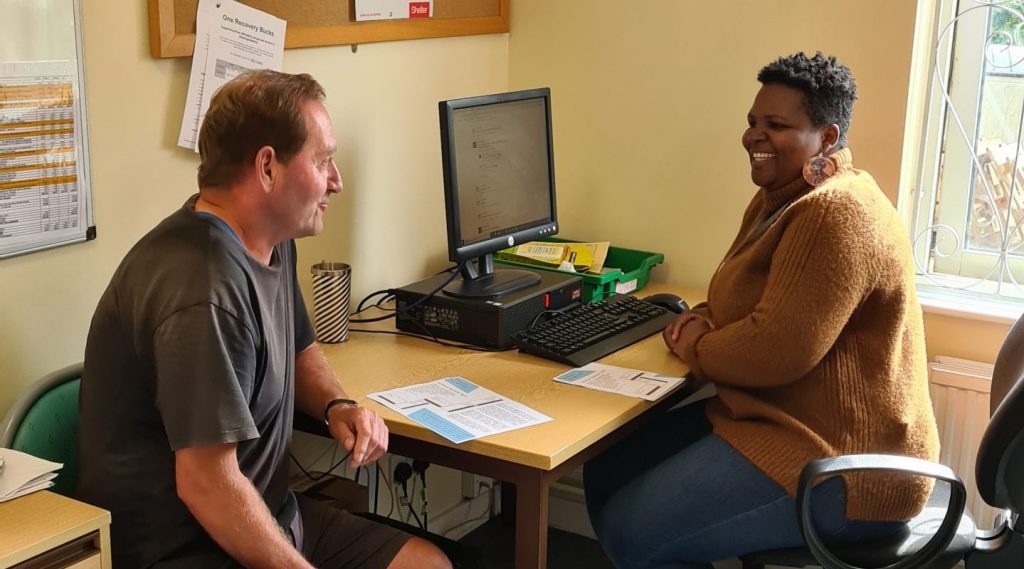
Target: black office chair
pixel 944 533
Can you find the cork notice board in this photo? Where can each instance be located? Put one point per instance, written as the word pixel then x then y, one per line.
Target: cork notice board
pixel 172 23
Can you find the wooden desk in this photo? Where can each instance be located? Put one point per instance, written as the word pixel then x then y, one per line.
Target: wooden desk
pixel 585 421
pixel 38 526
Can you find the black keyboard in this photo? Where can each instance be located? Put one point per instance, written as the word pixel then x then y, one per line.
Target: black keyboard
pixel 593 331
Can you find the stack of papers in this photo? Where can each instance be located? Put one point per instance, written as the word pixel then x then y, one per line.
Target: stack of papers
pixel 23 474
pixel 458 409
pixel 565 256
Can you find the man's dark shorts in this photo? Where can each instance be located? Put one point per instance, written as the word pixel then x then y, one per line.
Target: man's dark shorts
pixel 336 539
pixel 331 539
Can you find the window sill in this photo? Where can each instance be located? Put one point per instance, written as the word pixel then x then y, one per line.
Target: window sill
pixel 969 306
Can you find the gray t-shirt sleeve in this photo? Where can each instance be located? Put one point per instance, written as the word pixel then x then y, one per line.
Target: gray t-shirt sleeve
pixel 205 361
pixel 304 334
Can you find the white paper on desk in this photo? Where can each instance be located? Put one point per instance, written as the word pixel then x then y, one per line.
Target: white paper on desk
pixel 624 381
pixel 24 473
pixel 45 481
pixel 230 38
pixel 458 409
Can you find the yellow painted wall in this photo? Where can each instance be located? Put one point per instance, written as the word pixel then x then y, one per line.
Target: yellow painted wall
pixel 388 223
pixel 967 338
pixel 650 101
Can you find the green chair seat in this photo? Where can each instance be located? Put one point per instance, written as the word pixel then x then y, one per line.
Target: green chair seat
pixel 43 422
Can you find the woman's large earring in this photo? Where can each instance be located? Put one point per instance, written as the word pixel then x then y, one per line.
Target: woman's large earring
pixel 818 169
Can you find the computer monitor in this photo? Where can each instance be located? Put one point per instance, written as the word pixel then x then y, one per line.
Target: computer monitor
pixel 499 185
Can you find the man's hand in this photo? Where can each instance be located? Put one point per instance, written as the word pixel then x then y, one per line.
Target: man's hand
pixel 684 331
pixel 360 430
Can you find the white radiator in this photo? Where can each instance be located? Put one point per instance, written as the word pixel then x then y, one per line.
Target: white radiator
pixel 960 397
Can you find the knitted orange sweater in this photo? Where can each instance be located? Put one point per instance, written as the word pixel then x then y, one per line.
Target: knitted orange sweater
pixel 818 346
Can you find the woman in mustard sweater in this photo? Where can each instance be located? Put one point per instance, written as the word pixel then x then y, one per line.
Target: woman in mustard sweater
pixel 813 337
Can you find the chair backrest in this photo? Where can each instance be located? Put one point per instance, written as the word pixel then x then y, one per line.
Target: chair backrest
pixel 43 422
pixel 999 469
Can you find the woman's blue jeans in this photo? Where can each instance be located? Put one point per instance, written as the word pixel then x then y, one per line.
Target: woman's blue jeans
pixel 675 495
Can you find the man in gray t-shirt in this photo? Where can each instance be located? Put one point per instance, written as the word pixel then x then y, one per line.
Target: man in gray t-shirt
pixel 200 349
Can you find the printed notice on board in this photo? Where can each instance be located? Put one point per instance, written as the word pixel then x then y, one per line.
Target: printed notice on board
pixel 230 38
pixel 367 10
pixel 42 175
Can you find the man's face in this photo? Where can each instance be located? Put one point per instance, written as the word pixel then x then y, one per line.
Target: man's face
pixel 310 177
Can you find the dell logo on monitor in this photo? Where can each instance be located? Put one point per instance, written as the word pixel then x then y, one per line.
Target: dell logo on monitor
pixel 511 241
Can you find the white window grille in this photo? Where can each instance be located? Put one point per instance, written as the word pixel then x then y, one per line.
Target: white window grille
pixel 967 162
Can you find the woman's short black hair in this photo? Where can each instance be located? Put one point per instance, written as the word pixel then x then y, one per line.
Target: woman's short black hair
pixel 828 87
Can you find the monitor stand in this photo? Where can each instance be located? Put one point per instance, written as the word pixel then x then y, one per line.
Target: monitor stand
pixel 483 280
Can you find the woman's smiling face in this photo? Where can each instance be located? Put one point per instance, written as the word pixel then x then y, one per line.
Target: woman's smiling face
pixel 780 137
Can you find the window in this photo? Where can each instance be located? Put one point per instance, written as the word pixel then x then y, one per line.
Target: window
pixel 967 162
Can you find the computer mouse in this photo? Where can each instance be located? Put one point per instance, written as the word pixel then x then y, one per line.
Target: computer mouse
pixel 668 301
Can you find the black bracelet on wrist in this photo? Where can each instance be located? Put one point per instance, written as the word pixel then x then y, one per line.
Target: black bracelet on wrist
pixel 334 402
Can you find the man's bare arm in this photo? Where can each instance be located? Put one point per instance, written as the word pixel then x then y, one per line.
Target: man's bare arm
pixel 230 509
pixel 315 382
pixel 358 429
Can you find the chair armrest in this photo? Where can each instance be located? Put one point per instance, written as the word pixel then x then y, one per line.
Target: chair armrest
pixel 859 462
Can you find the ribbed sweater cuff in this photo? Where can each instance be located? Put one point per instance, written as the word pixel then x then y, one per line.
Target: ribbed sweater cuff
pixel 690 356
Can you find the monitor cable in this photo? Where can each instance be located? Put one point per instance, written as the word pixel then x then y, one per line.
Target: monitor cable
pixel 388 294
pixel 418 301
pixel 427 334
pixel 549 313
pixel 430 337
pixel 385 294
pixel 382 475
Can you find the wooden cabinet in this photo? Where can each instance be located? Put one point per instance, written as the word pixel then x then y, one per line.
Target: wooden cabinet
pixel 49 530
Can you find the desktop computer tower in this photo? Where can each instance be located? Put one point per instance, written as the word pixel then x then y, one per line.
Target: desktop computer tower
pixel 489 321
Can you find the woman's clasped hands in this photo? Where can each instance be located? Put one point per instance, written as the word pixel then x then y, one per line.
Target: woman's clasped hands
pixel 687 328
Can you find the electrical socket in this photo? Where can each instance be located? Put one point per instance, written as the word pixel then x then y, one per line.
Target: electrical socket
pixel 471 484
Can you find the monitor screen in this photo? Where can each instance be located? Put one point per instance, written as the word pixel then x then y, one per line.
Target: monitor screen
pixel 498 173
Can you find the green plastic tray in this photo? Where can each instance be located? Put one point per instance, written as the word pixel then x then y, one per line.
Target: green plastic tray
pixel 627 270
